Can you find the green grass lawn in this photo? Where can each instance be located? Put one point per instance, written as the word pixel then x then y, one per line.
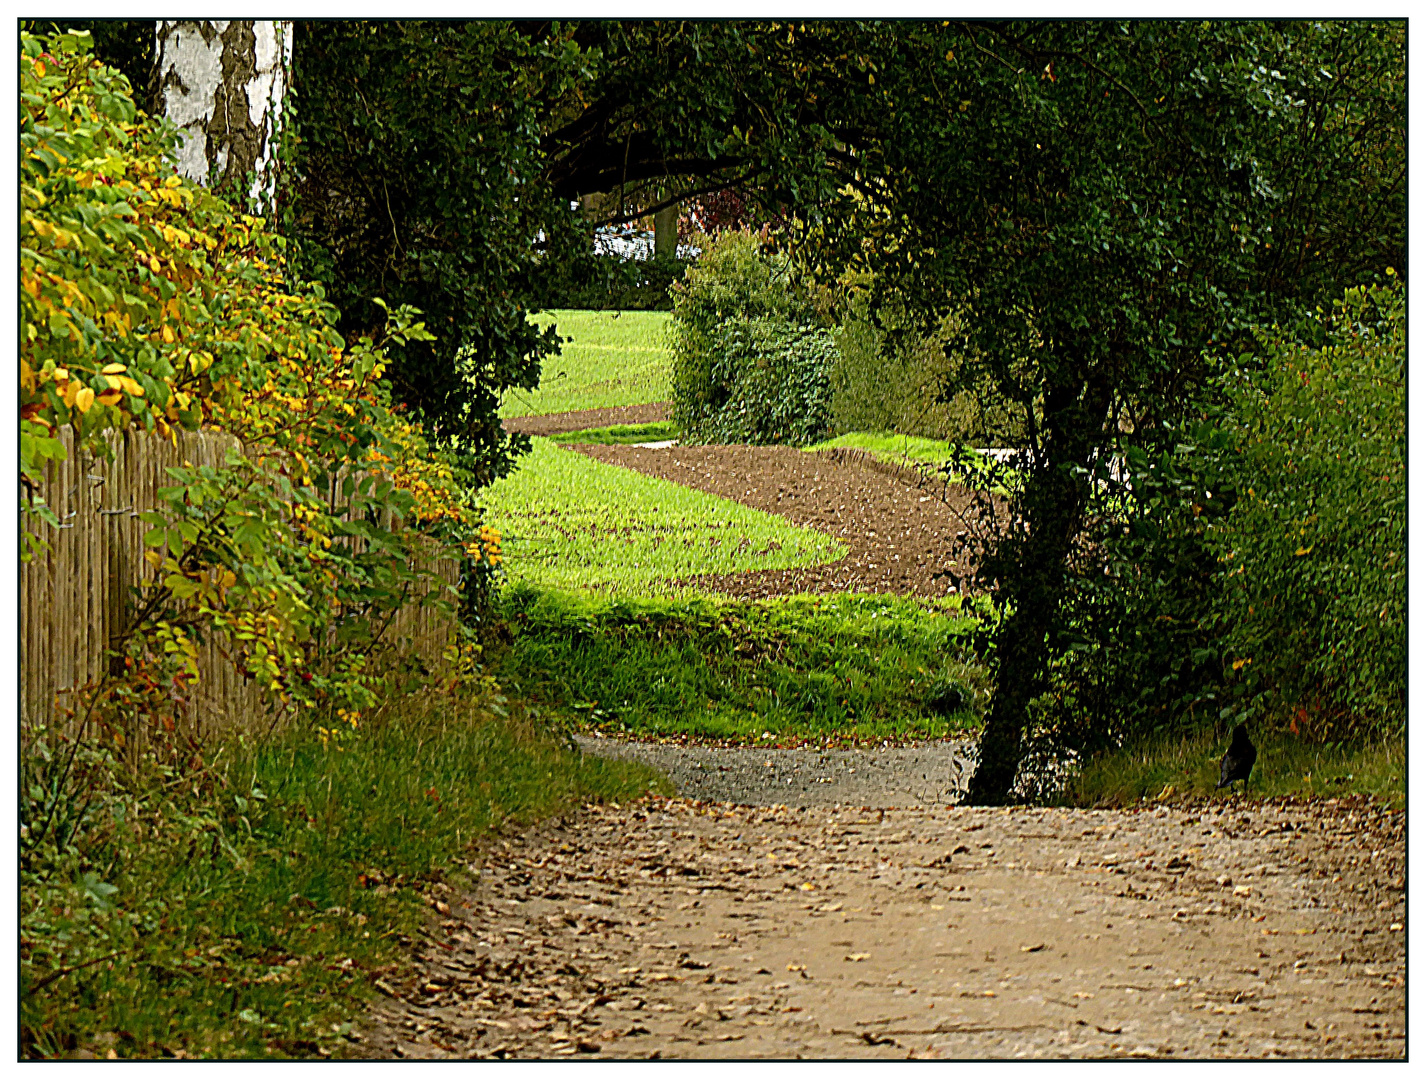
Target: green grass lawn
pixel 572 522
pixel 823 668
pixel 890 447
pixel 620 434
pixel 614 358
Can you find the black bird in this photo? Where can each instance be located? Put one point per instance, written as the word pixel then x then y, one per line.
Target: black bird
pixel 1238 761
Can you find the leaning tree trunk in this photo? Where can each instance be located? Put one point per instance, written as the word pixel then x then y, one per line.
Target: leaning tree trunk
pixel 1033 568
pixel 223 82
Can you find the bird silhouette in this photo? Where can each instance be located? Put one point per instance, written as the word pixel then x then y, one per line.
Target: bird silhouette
pixel 1238 762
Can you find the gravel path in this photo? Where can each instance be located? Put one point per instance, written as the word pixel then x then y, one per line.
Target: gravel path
pixel 926 774
pixel 685 928
pixel 675 928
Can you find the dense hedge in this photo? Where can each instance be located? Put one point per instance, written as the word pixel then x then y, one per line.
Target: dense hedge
pixel 1313 552
pixel 890 376
pixel 1260 573
pixel 752 360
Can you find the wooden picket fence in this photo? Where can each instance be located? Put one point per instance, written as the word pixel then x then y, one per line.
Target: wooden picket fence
pixel 75 597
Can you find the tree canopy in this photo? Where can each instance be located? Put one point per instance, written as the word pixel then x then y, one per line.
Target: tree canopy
pixel 1110 205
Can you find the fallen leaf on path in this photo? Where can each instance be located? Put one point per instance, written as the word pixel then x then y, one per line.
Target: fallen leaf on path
pixel 1032 948
pixel 858 956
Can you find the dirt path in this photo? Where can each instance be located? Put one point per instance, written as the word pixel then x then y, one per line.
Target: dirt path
pixel 901 539
pixel 676 928
pixel 559 423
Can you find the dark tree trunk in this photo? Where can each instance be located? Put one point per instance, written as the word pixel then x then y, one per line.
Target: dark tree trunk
pixel 666 232
pixel 1032 569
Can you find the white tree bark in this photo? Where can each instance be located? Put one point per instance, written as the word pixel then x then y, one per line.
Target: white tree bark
pixel 223 83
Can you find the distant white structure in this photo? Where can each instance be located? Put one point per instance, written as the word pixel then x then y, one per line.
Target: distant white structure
pixel 626 242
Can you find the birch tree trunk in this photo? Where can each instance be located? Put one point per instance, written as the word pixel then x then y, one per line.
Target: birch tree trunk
pixel 223 82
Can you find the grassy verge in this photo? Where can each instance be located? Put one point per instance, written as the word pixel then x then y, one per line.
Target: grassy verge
pixel 835 668
pixel 612 358
pixel 1187 767
pixel 572 522
pixel 891 447
pixel 621 434
pixel 248 909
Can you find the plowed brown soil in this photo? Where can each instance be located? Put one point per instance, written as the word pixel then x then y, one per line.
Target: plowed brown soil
pixel 902 539
pixel 559 423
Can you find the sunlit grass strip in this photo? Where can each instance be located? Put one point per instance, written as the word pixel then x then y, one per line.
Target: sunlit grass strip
pixel 621 434
pixel 572 522
pixel 837 667
pixel 890 447
pixel 615 358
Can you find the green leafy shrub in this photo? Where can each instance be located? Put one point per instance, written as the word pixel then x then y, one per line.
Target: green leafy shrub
pixel 888 377
pixel 1313 552
pixel 1255 567
pixel 752 362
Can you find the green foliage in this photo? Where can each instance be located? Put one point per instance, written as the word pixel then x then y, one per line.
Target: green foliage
pixel 572 522
pixel 606 359
pixel 836 667
pixel 1256 570
pixel 148 303
pixel 610 283
pixel 423 182
pixel 889 376
pixel 243 909
pixel 1096 200
pixel 1313 551
pixel 751 363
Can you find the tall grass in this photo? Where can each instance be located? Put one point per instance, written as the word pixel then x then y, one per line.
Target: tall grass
pixel 246 909
pixel 612 358
pixel 1187 767
pixel 823 668
pixel 572 522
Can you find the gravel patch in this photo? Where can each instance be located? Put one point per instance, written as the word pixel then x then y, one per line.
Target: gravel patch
pixel 921 775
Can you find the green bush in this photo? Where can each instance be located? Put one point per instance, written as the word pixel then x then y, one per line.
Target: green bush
pixel 1313 552
pixel 752 362
pixel 1254 568
pixel 609 284
pixel 888 377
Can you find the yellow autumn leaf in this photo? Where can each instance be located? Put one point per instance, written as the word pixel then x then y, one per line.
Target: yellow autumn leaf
pixel 71 391
pixel 167 334
pixel 84 399
pixel 111 397
pixel 130 387
pixel 114 369
pixel 1305 550
pixel 114 384
pixel 61 374
pixel 153 264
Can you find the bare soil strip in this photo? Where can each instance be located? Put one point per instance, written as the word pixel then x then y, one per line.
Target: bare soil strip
pixel 902 539
pixel 675 928
pixel 559 423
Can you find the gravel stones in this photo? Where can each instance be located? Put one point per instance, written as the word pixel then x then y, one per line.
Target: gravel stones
pixel 924 774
